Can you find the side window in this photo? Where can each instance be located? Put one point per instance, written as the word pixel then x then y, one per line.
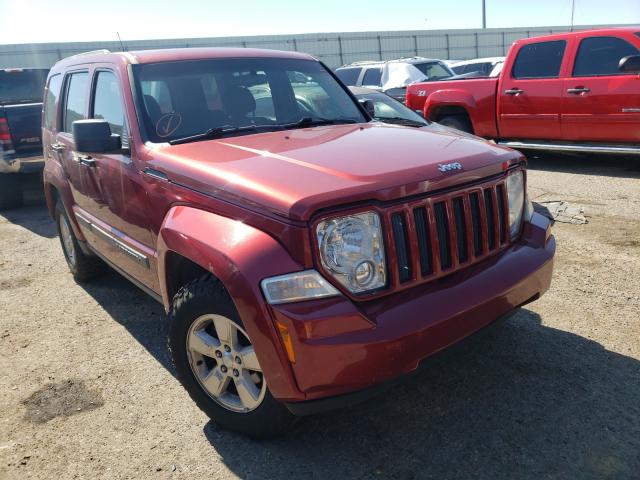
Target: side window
pixel 53 92
pixel 107 102
pixel 539 60
pixel 372 77
pixel 76 99
pixel 601 56
pixel 349 76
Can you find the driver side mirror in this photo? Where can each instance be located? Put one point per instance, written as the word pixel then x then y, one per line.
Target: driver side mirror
pixel 94 136
pixel 369 106
pixel 630 64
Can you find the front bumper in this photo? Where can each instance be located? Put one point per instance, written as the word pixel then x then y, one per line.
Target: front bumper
pixel 342 347
pixel 12 164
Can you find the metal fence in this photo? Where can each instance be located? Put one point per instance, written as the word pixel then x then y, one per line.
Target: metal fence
pixel 334 49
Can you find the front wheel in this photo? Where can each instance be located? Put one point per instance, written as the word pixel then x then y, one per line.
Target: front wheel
pixel 216 363
pixel 459 122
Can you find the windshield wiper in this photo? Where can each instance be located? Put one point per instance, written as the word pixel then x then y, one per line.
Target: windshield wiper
pixel 218 132
pixel 317 121
pixel 402 121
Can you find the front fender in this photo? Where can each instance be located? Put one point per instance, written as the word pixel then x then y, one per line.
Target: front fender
pixel 449 98
pixel 240 256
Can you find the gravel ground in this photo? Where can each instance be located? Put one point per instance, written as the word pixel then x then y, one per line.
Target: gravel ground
pixel 87 390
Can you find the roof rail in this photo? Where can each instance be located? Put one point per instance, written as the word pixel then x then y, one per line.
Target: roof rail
pixel 92 52
pixel 363 62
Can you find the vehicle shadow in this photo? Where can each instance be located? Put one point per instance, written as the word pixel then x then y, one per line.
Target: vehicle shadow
pixel 522 400
pixel 584 164
pixel 143 317
pixel 32 216
pixel 525 401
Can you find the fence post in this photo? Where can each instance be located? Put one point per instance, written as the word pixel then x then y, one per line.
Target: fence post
pixel 379 47
pixel 477 46
pixel 415 44
pixel 340 50
pixel 446 36
pixel 295 44
pixel 504 46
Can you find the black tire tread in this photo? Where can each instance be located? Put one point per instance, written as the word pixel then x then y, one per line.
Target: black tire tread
pixel 207 294
pixel 87 267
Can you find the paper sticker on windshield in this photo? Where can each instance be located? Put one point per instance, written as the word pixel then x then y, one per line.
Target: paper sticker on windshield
pixel 167 124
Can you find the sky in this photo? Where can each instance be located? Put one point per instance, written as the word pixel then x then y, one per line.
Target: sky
pixel 34 21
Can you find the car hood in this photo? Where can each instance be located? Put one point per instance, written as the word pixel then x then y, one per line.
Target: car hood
pixel 297 172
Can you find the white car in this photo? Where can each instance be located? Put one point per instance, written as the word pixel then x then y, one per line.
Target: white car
pixel 393 76
pixel 479 67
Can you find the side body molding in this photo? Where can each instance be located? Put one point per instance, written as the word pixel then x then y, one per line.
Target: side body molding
pixel 240 256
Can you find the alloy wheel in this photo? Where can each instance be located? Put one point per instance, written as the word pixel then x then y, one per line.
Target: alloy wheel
pixel 224 362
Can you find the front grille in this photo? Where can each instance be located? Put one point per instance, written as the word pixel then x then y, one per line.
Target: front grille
pixel 436 236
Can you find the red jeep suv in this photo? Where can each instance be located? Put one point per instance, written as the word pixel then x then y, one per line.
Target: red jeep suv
pixel 306 254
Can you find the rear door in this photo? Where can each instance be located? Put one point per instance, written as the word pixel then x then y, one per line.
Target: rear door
pixel 530 92
pixel 74 107
pixel 601 103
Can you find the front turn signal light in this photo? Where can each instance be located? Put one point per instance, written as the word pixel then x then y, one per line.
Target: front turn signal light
pixel 286 341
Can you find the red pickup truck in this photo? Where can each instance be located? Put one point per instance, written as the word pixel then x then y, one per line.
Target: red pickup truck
pixel 576 91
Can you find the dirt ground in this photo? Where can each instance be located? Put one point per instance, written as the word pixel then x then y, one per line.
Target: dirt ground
pixel 87 390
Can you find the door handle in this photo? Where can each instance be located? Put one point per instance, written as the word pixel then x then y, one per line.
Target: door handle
pixel 514 91
pixel 578 90
pixel 56 147
pixel 87 161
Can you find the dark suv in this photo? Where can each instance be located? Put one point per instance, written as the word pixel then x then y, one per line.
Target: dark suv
pixel 306 254
pixel 20 123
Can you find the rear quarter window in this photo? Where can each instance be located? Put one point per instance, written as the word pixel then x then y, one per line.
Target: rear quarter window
pixel 539 60
pixel 51 101
pixel 349 76
pixel 372 77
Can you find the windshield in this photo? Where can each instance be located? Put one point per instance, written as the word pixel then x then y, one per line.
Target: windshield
pixel 22 86
pixel 390 110
pixel 187 98
pixel 434 70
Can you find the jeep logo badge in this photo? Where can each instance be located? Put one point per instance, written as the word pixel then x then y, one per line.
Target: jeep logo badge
pixel 448 167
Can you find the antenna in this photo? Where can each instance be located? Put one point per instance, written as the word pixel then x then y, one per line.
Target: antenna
pixel 120 40
pixel 573 7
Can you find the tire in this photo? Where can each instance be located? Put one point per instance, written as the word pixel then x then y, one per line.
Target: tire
pixel 200 301
pixel 11 195
pixel 459 122
pixel 82 266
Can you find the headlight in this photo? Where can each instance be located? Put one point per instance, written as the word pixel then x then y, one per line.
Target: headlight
pixel 297 286
pixel 515 192
pixel 352 251
pixel 528 208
